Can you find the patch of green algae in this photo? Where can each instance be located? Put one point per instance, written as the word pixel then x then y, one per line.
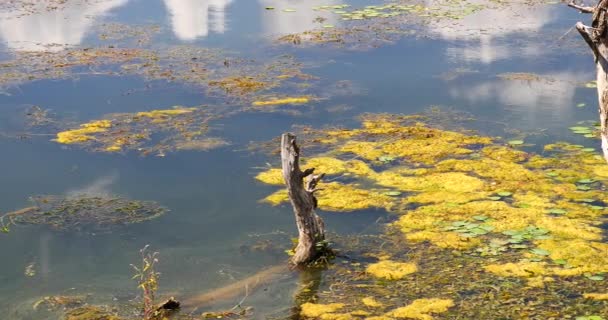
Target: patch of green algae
pixel 448 181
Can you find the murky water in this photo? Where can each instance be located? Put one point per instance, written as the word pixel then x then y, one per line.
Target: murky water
pixel 213 199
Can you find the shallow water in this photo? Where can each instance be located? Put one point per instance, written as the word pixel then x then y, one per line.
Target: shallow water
pixel 212 196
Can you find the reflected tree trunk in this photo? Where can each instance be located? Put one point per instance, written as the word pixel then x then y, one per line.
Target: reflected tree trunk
pixel 301 186
pixel 596 38
pixel 308 288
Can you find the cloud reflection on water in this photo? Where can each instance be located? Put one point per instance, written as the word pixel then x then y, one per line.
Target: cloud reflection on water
pixel 193 19
pixel 52 30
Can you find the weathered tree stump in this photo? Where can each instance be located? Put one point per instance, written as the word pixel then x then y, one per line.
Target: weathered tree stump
pixel 597 38
pixel 301 187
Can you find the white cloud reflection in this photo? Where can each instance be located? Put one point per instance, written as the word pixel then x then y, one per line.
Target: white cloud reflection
pixel 192 19
pixel 44 29
pixel 302 19
pixel 483 32
pixel 552 96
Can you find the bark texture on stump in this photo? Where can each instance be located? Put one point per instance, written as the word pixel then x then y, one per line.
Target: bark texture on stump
pixel 596 38
pixel 301 186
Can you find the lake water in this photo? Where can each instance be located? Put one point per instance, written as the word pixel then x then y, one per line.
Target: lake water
pixel 215 212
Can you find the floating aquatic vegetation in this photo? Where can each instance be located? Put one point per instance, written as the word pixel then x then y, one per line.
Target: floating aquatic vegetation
pixel 83 212
pixel 588 129
pixel 374 25
pixel 313 310
pixel 179 128
pixel 524 76
pixel 140 34
pixel 391 270
pixel 60 302
pixel 90 313
pixel 279 101
pixel 516 215
pixel 422 309
pixel 219 73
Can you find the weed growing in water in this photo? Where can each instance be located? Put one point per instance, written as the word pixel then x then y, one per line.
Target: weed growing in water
pixel 147 279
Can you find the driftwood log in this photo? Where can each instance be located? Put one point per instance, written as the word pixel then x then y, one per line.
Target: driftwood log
pixel 596 38
pixel 301 186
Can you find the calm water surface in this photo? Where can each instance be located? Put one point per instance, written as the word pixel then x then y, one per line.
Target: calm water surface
pixel 213 198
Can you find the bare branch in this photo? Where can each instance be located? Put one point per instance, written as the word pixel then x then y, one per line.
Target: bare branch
pixel 580 8
pixel 584 31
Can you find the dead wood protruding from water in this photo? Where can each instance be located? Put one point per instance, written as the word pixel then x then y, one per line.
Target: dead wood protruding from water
pixel 301 186
pixel 597 39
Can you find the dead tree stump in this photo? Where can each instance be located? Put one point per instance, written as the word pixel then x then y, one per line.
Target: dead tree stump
pixel 301 187
pixel 596 38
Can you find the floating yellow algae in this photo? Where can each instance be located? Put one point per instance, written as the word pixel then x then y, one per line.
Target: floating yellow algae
pixel 275 102
pixel 84 133
pixel 537 273
pixel 444 240
pixel 415 143
pixel 332 166
pixel 439 181
pixel 136 131
pixel 163 115
pixel 327 165
pixel 335 196
pixel 277 197
pixel 539 281
pixel 448 181
pixel 314 310
pixel 422 309
pixel 241 85
pixel 360 313
pixel 391 270
pixel 339 197
pixel 583 255
pixel 337 316
pixel 271 176
pixel 596 296
pixel 521 269
pixel 567 228
pixel 201 144
pixel 501 153
pixel 371 302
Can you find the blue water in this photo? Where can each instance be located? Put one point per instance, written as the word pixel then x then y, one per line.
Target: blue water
pixel 212 196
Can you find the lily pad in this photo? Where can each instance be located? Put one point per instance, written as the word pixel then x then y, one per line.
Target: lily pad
pixel 386 158
pixel 585 181
pixel 596 277
pixel 494 198
pixel 540 252
pixel 558 211
pixel 589 318
pixel 516 142
pixel 393 193
pixel 504 193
